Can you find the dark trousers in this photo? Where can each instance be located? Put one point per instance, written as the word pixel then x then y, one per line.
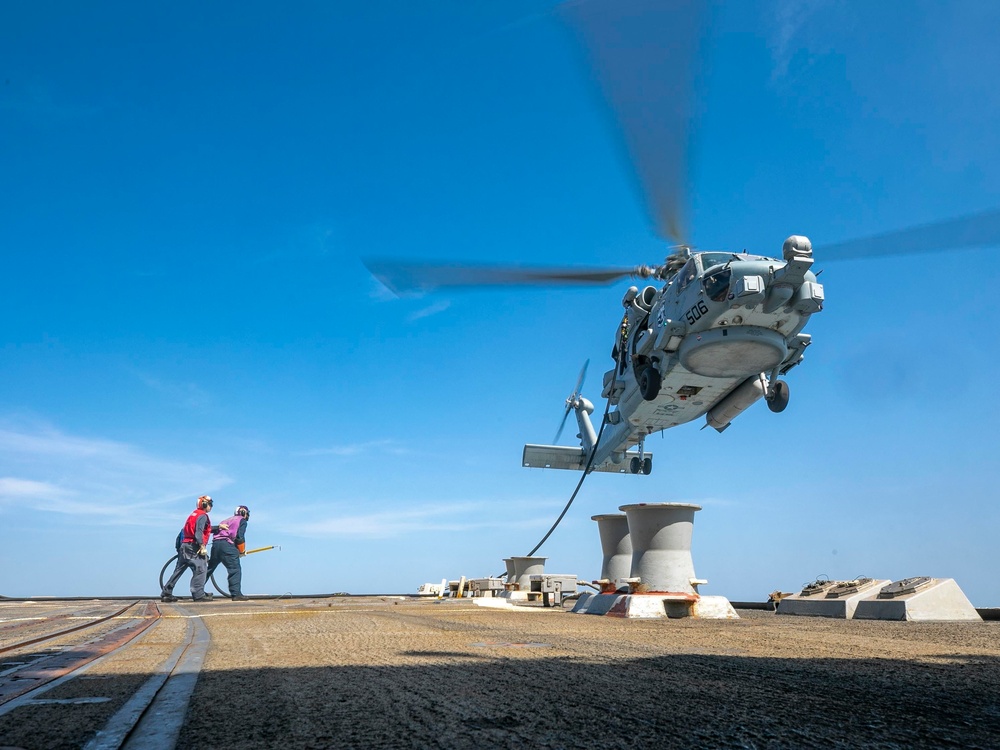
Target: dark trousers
pixel 224 553
pixel 188 557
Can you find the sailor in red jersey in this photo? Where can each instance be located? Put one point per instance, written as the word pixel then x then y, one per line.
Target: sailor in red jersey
pixel 193 541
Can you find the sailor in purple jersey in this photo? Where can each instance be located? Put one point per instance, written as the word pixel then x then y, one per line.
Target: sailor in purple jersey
pixel 228 545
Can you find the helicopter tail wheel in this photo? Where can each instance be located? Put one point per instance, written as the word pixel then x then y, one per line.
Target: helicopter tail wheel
pixel 649 383
pixel 647 466
pixel 635 465
pixel 777 396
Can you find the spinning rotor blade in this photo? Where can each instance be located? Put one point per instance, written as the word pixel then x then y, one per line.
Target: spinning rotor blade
pixel 976 230
pixel 645 55
pixel 579 380
pixel 572 397
pixel 415 277
pixel 555 440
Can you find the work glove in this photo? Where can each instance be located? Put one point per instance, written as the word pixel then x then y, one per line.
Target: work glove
pixel 242 547
pixel 202 551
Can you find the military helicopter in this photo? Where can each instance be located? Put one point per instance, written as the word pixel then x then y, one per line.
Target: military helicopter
pixel 712 340
pixel 717 331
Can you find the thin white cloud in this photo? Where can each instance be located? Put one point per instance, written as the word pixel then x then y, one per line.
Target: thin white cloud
pixel 356 449
pixel 426 312
pixel 431 517
pixel 45 470
pixel 713 502
pixel 788 36
pixel 14 489
pixel 189 395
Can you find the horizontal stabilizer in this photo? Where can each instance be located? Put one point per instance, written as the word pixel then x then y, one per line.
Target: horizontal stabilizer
pixel 566 457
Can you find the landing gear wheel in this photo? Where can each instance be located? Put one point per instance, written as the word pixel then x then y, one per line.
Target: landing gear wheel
pixel 634 465
pixel 777 396
pixel 170 562
pixel 647 466
pixel 649 383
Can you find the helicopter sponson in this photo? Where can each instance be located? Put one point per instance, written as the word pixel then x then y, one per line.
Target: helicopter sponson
pixel 712 341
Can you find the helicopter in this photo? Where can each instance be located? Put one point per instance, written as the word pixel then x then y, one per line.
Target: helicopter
pixel 711 341
pixel 712 332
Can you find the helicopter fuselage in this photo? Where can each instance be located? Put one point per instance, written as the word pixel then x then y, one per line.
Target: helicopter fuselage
pixel 710 342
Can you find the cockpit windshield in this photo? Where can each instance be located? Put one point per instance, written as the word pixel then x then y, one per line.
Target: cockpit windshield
pixel 715 259
pixel 717 284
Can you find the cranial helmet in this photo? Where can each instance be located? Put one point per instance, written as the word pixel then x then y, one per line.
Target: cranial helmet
pixel 242 511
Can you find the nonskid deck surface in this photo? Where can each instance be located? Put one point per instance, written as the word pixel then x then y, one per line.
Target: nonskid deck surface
pixel 394 672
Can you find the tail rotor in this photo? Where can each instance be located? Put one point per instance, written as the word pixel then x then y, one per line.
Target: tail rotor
pixel 572 401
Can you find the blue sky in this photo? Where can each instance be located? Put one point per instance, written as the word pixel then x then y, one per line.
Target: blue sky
pixel 185 196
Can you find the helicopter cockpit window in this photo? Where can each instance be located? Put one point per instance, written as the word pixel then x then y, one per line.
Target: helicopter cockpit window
pixel 686 275
pixel 708 260
pixel 717 284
